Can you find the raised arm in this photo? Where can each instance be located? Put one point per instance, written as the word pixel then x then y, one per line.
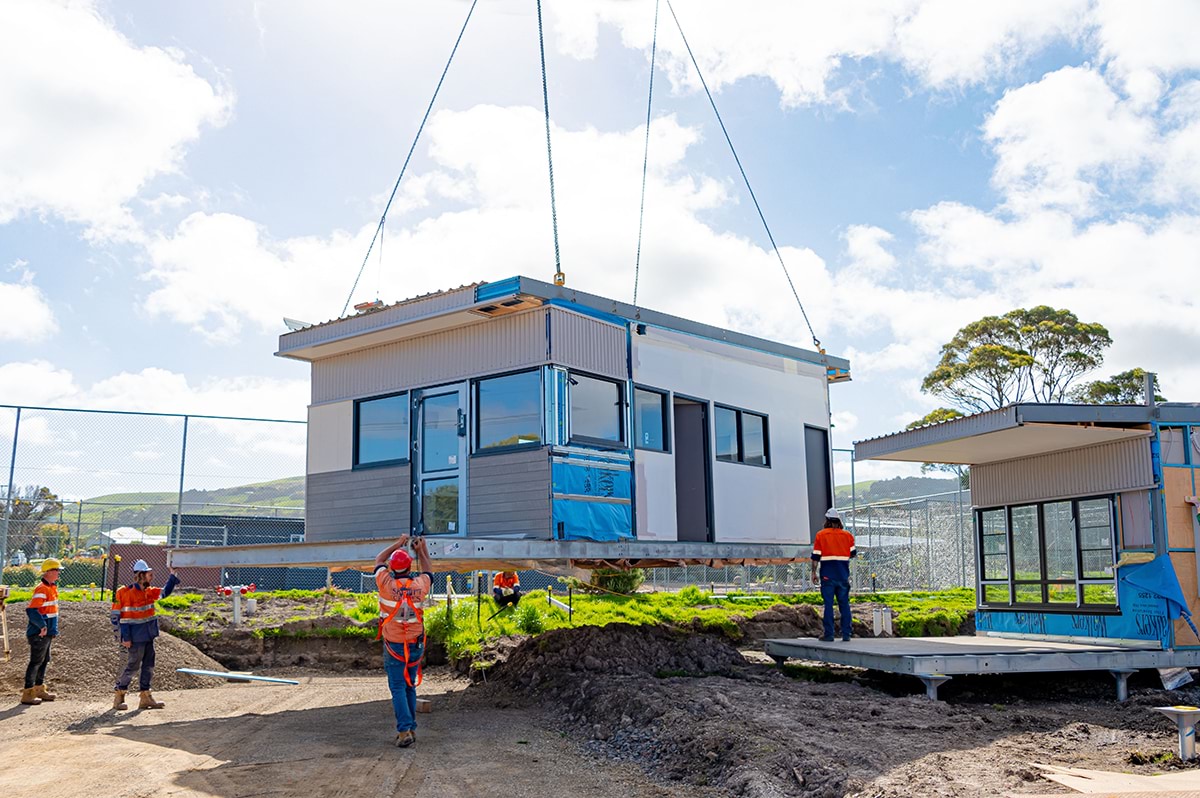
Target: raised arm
pixel 382 557
pixel 422 549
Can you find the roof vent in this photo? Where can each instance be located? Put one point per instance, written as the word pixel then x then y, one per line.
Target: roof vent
pixel 364 307
pixel 517 303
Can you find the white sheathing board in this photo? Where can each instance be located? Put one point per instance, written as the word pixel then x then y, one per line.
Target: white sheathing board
pixel 654 475
pixel 750 504
pixel 487 347
pixel 330 437
pixel 1107 468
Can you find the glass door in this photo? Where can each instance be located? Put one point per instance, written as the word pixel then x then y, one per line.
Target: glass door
pixel 439 460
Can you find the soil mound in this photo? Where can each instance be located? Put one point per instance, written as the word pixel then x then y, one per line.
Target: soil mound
pixel 562 655
pixel 85 660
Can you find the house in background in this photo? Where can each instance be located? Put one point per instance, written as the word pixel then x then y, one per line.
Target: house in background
pixel 520 410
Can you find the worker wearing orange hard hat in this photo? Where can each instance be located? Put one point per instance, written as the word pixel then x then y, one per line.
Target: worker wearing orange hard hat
pixel 402 627
pixel 42 629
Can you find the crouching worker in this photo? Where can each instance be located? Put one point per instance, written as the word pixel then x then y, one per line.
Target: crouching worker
pixel 402 627
pixel 42 629
pixel 135 627
pixel 506 589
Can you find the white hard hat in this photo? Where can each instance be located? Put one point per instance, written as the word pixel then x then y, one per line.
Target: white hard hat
pixel 833 513
pixel 141 567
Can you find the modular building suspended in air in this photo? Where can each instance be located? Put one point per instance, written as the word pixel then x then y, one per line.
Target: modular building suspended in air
pixel 517 422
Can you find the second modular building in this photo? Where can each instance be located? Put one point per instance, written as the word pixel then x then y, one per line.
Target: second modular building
pixel 523 410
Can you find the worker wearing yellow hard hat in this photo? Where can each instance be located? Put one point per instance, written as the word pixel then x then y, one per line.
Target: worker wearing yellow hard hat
pixel 42 629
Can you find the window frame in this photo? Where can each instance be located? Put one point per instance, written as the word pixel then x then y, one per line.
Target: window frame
pixel 739 412
pixel 1079 582
pixel 665 397
pixel 477 417
pixel 622 416
pixel 356 430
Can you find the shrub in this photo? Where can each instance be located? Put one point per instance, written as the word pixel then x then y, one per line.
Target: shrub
pixel 20 575
pixel 692 596
pixel 622 582
pixel 529 619
pixel 366 607
pixel 180 602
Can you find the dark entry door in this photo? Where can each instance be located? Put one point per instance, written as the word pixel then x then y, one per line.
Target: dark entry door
pixel 692 474
pixel 820 478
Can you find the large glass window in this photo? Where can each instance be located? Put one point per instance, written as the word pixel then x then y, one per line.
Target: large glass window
pixel 381 433
pixel 1061 554
pixel 742 437
pixel 650 419
pixel 508 411
pixel 727 437
pixel 597 409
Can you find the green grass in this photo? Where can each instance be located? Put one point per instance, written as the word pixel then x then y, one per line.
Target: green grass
pixel 65 594
pixel 915 613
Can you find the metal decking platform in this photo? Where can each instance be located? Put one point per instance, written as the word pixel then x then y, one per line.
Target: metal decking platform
pixel 934 660
pixel 467 554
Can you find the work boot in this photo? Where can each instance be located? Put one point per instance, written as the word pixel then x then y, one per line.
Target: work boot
pixel 147 701
pixel 41 692
pixel 119 700
pixel 404 739
pixel 28 697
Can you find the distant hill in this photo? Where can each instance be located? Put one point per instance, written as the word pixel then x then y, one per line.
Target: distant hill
pixel 896 488
pixel 151 511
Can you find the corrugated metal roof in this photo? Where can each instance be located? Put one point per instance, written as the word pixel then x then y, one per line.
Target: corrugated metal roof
pixel 409 301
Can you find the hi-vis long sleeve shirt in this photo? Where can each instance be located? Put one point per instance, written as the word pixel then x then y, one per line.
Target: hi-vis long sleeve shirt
pixel 133 611
pixel 833 549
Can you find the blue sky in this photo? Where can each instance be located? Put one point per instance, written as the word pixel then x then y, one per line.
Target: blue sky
pixel 176 178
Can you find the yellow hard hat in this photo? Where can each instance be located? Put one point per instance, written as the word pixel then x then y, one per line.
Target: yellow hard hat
pixel 50 564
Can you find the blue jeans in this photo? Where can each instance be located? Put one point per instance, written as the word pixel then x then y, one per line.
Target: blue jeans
pixel 404 695
pixel 841 592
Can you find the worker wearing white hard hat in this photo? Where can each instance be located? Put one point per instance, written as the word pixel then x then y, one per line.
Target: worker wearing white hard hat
pixel 135 627
pixel 833 548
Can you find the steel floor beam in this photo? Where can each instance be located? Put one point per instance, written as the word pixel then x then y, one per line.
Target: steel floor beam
pixel 466 554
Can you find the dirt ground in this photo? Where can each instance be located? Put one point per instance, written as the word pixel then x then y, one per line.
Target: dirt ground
pixel 85 659
pixel 330 736
pixel 644 712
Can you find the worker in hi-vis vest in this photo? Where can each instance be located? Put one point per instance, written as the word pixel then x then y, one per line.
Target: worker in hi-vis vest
pixel 402 627
pixel 135 627
pixel 506 588
pixel 42 629
pixel 832 551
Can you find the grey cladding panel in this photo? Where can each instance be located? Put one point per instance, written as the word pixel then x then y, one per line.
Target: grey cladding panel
pixel 1108 468
pixel 589 344
pixel 509 494
pixel 343 505
pixel 487 347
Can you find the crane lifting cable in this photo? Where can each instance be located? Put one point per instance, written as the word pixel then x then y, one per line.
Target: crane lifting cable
pixel 637 263
pixel 404 168
pixel 745 179
pixel 559 277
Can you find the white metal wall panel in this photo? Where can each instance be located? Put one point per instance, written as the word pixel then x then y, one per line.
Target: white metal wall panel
pixel 330 437
pixel 1108 468
pixel 750 504
pixel 588 344
pixel 493 345
pixel 654 473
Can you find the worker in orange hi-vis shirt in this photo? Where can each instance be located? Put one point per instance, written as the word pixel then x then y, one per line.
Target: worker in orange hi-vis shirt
pixel 506 589
pixel 833 548
pixel 135 627
pixel 42 629
pixel 402 627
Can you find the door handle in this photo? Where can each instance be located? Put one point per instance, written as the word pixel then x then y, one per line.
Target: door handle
pixel 462 424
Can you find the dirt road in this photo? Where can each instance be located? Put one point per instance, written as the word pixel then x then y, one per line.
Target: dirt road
pixel 330 736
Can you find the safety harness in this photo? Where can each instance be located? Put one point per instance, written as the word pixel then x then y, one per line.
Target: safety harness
pixel 406 607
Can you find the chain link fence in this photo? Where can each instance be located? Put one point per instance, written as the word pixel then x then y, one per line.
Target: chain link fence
pixel 77 482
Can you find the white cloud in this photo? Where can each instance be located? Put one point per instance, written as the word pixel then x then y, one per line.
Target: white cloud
pixel 35 382
pixel 865 247
pixel 25 314
pixel 90 117
pixel 802 47
pixel 1151 35
pixel 1057 138
pixel 219 272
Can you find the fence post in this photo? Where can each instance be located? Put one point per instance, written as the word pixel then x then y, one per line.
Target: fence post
pixel 912 553
pixel 929 546
pixel 182 469
pixel 8 497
